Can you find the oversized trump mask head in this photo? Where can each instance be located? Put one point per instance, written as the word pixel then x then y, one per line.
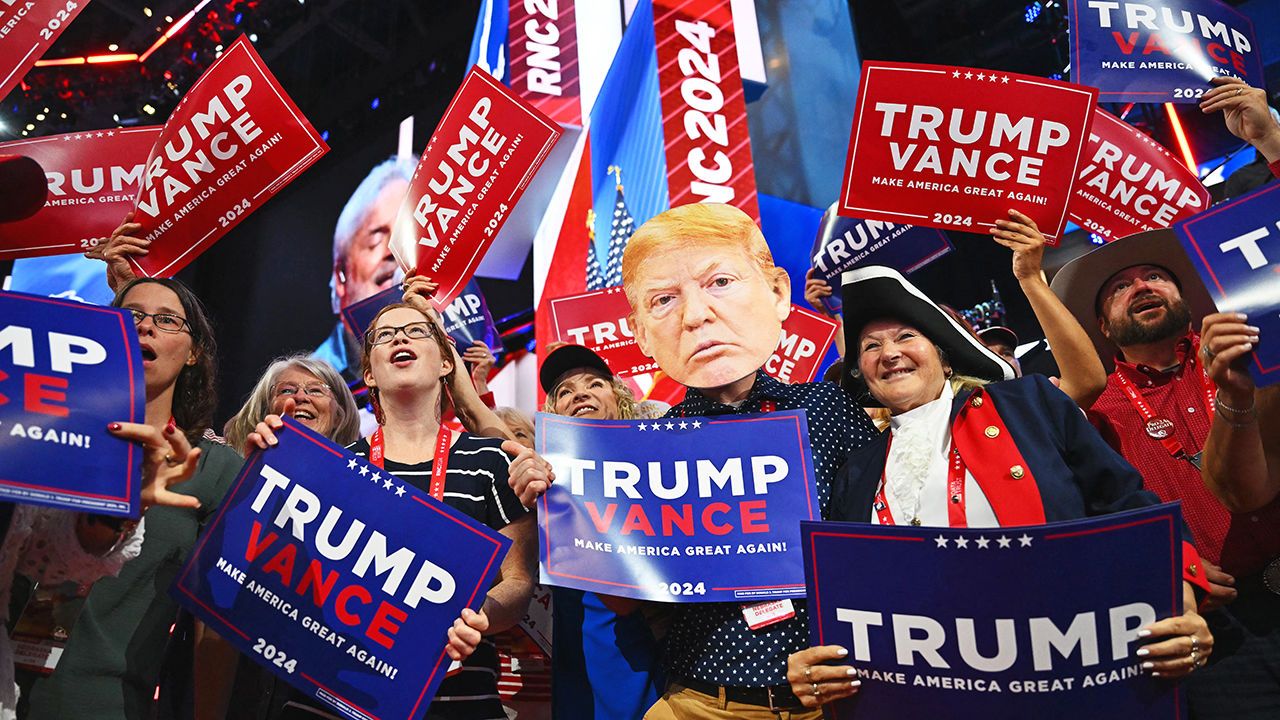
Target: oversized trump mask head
pixel 707 301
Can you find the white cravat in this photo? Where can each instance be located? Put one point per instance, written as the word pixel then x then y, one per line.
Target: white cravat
pixel 916 469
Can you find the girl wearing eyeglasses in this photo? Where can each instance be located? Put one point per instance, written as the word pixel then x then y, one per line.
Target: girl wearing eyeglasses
pixel 408 363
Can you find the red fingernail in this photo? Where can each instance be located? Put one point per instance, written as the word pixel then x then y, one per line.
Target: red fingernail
pixel 170 426
pixel 113 426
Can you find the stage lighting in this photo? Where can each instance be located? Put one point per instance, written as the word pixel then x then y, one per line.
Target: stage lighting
pixel 1032 12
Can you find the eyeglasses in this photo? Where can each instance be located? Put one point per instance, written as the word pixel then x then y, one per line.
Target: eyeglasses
pixel 311 390
pixel 413 331
pixel 165 322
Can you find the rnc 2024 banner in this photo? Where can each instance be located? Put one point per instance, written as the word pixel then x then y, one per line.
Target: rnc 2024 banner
pixel 681 509
pixel 1024 622
pixel 339 577
pixel 67 370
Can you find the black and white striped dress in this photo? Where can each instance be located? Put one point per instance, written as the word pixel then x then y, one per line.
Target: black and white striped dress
pixel 475 484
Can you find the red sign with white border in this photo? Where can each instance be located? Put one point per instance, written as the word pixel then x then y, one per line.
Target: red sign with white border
pixel 463 192
pixel 704 113
pixel 93 178
pixel 1131 183
pixel 27 29
pixel 233 142
pixel 598 320
pixel 806 335
pixel 956 148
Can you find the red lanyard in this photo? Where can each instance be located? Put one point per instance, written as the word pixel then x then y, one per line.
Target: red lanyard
pixel 956 516
pixel 1160 428
pixel 439 463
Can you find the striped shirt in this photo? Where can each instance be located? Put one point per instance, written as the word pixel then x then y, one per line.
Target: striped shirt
pixel 475 485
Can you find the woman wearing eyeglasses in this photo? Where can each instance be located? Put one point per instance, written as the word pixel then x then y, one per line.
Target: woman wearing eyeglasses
pixel 309 390
pixel 119 642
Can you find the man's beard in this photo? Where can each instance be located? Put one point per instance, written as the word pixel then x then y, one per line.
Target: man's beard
pixel 1129 331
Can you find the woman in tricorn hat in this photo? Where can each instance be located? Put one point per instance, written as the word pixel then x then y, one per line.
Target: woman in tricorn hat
pixel 950 397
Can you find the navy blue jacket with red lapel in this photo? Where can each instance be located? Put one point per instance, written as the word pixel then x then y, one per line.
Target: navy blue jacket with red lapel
pixel 1033 453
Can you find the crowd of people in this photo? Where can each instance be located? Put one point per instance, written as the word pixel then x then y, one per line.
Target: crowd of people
pixel 1154 404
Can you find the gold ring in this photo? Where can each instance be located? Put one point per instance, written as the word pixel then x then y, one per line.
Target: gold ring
pixel 1239 90
pixel 171 461
pixel 817 691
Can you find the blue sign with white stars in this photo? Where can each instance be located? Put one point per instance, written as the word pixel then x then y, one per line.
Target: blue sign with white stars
pixel 681 509
pixel 1015 622
pixel 338 576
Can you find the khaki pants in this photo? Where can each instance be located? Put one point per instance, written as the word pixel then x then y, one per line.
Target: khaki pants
pixel 681 703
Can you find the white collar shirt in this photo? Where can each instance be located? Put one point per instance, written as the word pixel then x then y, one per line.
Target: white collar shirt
pixel 916 469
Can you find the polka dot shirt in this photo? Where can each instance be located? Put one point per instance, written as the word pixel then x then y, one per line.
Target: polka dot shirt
pixel 711 641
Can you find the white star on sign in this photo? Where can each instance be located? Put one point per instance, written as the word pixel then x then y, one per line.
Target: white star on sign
pixel 982 76
pixel 376 477
pixel 696 424
pixel 1005 80
pixel 387 483
pixel 942 541
pixel 683 425
pixel 968 76
pixel 1004 541
pixel 351 465
pixel 642 427
pixel 1025 540
pixel 364 470
pixel 399 491
pixel 657 426
pixel 99 135
pixel 671 426
pixel 992 78
pixel 983 543
pixel 955 74
pixel 962 542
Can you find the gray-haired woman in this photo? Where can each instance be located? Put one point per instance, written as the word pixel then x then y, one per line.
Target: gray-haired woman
pixel 320 400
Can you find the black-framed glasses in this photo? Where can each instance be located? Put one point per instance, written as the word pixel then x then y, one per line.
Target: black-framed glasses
pixel 165 322
pixel 311 390
pixel 420 330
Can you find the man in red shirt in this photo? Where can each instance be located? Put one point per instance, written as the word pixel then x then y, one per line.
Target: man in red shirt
pixel 1140 298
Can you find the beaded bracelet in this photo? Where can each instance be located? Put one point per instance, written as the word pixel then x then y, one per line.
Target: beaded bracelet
pixel 1224 409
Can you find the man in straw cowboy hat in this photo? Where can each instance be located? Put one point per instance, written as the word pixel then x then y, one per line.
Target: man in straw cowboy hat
pixel 1141 301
